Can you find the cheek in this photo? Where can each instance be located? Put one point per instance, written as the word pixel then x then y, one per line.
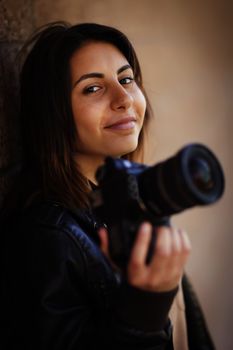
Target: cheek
pixel 83 115
pixel 140 104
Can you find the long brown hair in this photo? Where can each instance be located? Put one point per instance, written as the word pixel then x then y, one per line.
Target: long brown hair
pixel 48 128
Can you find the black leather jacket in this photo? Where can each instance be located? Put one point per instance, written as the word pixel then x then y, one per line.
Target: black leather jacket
pixel 60 292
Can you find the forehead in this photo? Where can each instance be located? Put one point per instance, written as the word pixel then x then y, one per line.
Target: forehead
pixel 96 56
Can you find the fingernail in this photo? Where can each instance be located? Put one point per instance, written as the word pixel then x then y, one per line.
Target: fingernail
pixel 145 227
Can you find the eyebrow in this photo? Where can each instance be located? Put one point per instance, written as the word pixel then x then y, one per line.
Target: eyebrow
pixel 100 75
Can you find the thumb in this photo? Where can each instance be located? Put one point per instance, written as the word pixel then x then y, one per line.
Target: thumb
pixel 103 236
pixel 104 246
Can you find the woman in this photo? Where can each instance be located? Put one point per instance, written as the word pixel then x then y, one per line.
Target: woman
pixel 82 99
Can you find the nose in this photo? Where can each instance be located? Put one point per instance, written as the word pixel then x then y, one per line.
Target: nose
pixel 121 98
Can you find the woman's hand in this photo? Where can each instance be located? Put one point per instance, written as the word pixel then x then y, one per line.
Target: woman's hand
pixel 165 269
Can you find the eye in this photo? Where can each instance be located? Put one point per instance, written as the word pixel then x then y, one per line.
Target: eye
pixel 126 80
pixel 91 89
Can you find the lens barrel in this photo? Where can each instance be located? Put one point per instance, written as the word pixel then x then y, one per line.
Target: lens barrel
pixel 192 177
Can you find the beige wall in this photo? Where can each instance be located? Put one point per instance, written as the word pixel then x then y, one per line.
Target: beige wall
pixel 186 52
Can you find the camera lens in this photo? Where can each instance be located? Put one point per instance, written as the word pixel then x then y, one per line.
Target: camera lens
pixel 201 174
pixel 193 176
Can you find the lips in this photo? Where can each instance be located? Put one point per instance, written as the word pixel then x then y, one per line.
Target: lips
pixel 122 124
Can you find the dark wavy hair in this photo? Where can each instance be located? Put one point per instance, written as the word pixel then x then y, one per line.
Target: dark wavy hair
pixel 48 128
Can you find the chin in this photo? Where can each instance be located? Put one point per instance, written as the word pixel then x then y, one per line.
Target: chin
pixel 124 150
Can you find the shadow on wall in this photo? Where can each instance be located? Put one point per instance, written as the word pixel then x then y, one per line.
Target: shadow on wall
pixel 15 25
pixel 9 128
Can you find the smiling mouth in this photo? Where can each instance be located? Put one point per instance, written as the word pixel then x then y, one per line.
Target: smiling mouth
pixel 123 124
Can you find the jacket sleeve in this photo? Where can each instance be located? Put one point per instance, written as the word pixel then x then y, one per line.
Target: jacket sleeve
pixel 64 314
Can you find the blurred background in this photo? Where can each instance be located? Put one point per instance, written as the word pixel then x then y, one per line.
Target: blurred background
pixel 186 53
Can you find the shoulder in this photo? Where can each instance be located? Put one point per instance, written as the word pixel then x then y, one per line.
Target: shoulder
pixel 54 226
pixel 54 216
pixel 48 241
pixel 48 231
pixel 51 218
pixel 49 224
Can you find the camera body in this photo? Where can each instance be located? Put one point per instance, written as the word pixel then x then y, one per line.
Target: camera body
pixel 130 193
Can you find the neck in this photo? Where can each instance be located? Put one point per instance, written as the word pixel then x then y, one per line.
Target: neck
pixel 88 166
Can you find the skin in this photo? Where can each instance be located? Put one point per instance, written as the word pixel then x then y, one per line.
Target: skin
pixel 108 109
pixel 108 106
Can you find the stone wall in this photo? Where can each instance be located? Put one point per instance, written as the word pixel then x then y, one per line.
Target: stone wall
pixel 16 22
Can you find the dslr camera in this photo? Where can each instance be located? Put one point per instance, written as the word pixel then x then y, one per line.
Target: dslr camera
pixel 130 193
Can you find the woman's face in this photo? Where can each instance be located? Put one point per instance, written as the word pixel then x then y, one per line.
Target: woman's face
pixel 108 106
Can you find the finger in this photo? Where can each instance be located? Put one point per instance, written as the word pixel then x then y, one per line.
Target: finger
pixel 186 247
pixel 164 244
pixel 104 246
pixel 141 245
pixel 175 264
pixel 180 251
pixel 162 255
pixel 185 241
pixel 103 236
pixel 166 267
pixel 176 241
pixel 160 271
pixel 167 262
